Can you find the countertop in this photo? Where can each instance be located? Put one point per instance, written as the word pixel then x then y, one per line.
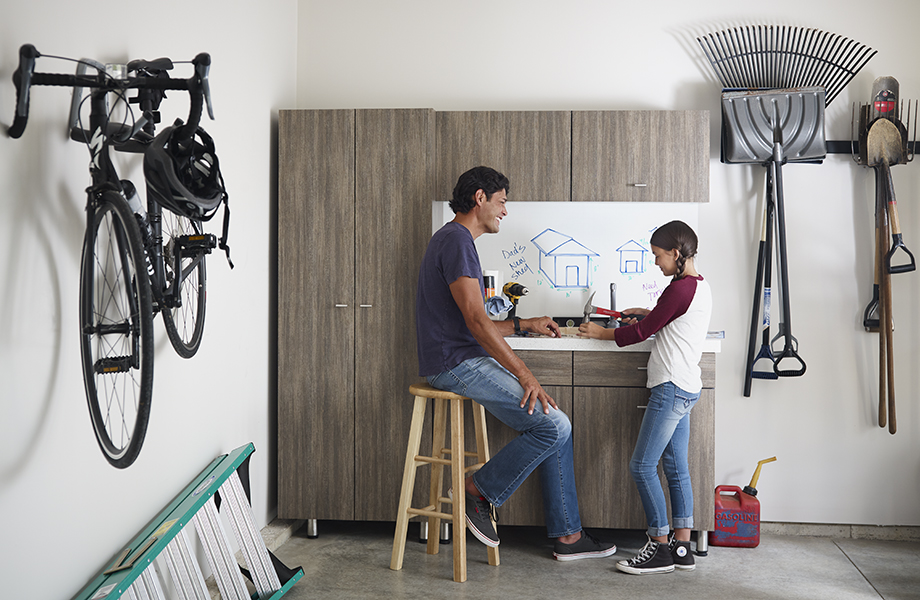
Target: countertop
pixel 569 342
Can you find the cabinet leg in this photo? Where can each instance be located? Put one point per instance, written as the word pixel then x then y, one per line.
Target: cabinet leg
pixel 311 529
pixel 445 532
pixel 702 543
pixel 423 532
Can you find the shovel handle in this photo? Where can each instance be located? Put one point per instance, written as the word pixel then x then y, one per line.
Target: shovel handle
pixel 789 353
pixel 902 268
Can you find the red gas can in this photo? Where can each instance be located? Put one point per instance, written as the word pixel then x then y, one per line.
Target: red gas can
pixel 737 518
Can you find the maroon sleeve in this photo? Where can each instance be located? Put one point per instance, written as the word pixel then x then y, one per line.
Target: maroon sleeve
pixel 673 302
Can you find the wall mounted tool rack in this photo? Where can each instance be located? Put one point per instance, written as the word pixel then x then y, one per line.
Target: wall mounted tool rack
pixel 132 574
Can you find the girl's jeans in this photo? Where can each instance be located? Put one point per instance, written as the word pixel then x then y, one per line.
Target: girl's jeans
pixel 665 433
pixel 545 442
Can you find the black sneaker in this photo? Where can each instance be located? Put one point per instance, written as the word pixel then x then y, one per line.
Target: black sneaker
pixel 479 517
pixel 587 546
pixel 655 557
pixel 681 555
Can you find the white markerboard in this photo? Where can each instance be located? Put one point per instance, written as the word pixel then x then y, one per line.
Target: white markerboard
pixel 563 251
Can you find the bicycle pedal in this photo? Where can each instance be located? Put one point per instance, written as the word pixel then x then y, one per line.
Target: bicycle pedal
pixel 202 241
pixel 114 364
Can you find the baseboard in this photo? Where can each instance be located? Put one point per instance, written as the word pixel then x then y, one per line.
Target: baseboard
pixel 898 533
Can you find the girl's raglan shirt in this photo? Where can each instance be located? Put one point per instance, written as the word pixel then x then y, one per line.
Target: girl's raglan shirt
pixel 679 322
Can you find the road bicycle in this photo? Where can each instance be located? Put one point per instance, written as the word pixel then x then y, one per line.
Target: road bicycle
pixel 137 260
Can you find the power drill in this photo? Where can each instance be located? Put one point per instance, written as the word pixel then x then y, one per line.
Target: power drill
pixel 514 290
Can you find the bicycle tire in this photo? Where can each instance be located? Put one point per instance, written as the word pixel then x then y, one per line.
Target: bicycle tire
pixel 184 323
pixel 116 328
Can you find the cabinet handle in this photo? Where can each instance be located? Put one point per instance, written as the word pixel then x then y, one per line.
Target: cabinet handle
pixel 341 306
pixel 639 184
pixel 642 407
pixel 366 305
pixel 642 368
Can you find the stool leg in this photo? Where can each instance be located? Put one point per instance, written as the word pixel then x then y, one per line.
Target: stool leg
pixel 439 429
pixel 483 456
pixel 457 451
pixel 408 483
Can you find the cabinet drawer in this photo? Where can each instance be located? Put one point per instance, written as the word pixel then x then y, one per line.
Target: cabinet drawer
pixel 610 369
pixel 626 369
pixel 550 367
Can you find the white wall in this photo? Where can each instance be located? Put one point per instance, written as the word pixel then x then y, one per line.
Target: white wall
pixel 834 464
pixel 65 510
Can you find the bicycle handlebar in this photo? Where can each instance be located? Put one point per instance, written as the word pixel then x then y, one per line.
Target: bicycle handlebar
pixel 197 86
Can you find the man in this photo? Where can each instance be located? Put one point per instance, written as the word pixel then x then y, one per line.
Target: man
pixel 463 351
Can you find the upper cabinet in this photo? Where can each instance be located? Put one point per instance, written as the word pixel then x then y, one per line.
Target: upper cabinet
pixel 532 148
pixel 640 156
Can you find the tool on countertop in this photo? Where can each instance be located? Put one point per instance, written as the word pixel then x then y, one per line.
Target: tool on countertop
pixel 590 309
pixel 738 514
pixel 514 291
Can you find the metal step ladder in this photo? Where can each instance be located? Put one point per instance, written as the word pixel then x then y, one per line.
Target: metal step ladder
pixel 136 573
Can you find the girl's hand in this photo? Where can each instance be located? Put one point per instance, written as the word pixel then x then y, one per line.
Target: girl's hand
pixel 628 316
pixel 591 330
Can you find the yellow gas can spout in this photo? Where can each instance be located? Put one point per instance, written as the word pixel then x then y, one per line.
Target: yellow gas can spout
pixel 752 489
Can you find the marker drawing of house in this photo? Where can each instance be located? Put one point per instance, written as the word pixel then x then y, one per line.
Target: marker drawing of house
pixel 564 261
pixel 632 257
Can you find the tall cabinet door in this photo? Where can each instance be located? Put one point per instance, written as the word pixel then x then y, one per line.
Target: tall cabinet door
pixel 393 192
pixel 316 314
pixel 532 148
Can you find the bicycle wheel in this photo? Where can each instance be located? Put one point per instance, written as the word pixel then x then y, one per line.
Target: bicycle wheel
pixel 185 322
pixel 116 327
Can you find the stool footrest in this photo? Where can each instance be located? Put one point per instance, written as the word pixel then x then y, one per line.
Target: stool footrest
pixel 467 453
pixel 432 459
pixel 425 512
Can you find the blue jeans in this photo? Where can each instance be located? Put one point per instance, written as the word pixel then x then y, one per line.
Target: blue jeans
pixel 545 442
pixel 665 433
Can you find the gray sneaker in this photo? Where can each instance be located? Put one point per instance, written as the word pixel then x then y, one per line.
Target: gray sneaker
pixel 479 516
pixel 587 546
pixel 681 555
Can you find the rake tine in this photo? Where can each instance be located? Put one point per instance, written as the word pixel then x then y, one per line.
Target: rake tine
pixel 864 58
pixel 808 41
pixel 704 42
pixel 729 64
pixel 795 68
pixel 784 56
pixel 845 71
pixel 816 52
pixel 715 46
pixel 831 59
pixel 841 68
pixel 753 57
pixel 741 52
pixel 774 57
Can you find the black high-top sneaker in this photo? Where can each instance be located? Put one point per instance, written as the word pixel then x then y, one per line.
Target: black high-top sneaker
pixel 655 557
pixel 681 555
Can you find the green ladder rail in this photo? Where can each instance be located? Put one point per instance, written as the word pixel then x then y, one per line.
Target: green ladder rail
pixel 133 574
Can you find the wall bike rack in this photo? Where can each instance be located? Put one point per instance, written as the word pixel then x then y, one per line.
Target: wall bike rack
pixel 133 574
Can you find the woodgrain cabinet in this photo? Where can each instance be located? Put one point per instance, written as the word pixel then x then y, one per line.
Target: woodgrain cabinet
pixel 605 395
pixel 354 218
pixel 640 156
pixel 532 148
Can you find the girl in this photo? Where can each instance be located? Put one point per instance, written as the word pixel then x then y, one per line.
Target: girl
pixel 679 321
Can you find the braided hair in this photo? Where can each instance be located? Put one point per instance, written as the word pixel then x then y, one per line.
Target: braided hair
pixel 679 235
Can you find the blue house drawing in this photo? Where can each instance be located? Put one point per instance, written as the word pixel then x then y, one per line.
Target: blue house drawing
pixel 632 257
pixel 564 261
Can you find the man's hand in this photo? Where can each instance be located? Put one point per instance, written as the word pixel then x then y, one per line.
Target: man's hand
pixel 542 326
pixel 533 391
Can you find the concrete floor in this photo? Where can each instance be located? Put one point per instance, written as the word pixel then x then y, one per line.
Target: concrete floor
pixel 351 560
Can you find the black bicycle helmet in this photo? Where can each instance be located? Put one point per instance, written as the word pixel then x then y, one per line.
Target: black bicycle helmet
pixel 184 178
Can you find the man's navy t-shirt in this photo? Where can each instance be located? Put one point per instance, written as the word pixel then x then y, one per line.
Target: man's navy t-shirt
pixel 444 340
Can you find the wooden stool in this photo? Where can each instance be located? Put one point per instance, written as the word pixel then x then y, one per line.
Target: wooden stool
pixel 458 471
